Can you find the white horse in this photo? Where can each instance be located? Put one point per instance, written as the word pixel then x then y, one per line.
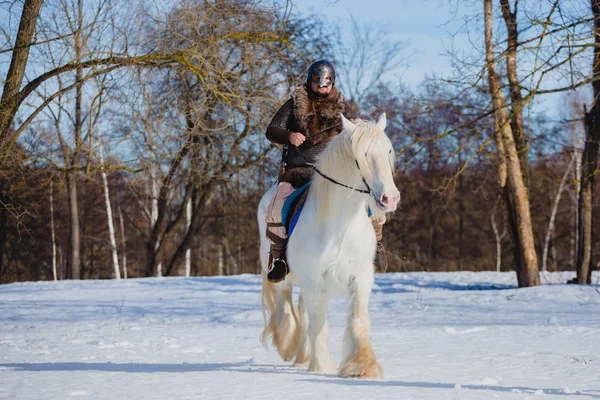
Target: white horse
pixel 331 252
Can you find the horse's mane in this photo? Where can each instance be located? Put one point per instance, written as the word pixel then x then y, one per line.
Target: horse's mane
pixel 338 162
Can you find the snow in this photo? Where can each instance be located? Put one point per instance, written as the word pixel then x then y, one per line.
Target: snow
pixel 461 335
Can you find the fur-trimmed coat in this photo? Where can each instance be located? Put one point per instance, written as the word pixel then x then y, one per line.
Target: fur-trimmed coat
pixel 309 115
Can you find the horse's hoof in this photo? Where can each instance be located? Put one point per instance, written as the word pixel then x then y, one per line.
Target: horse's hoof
pixel 326 366
pixel 363 366
pixel 372 375
pixel 321 369
pixel 301 361
pixel 374 372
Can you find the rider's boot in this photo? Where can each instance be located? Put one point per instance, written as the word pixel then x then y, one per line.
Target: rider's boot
pixel 278 268
pixel 380 260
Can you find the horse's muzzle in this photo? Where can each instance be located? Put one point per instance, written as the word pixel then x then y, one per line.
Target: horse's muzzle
pixel 389 200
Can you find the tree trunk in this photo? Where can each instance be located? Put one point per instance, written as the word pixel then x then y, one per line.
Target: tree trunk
pixel 220 260
pixel 516 115
pixel 589 164
pixel 584 255
pixel 16 73
pixel 578 145
pixel 160 204
pixel 53 230
pixel 199 199
pixel 123 244
pixel 516 124
pixel 74 268
pixel 431 250
pixel 516 189
pixel 233 267
pixel 3 223
pixel 188 252
pixel 92 263
pixel 575 230
pixel 5 187
pixel 160 197
pixel 153 243
pixel 498 238
pixel 61 262
pixel 461 215
pixel 75 244
pixel 550 230
pixel 109 218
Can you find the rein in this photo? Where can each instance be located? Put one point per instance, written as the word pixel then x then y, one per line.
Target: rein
pixel 323 131
pixel 368 191
pixel 285 150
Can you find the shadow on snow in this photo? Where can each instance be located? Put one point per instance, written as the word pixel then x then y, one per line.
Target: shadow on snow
pixel 254 368
pixel 432 385
pixel 403 285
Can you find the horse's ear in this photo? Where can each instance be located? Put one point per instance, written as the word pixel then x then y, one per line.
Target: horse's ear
pixel 382 122
pixel 348 125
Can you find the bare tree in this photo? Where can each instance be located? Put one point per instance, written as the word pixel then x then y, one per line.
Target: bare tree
pixel 550 230
pixel 498 236
pixel 220 260
pixel 188 252
pixel 154 219
pixel 513 182
pixel 213 138
pixel 52 230
pixel 123 244
pixel 9 103
pixel 109 218
pixel 589 163
pixel 514 85
pixel 364 60
pixel 118 53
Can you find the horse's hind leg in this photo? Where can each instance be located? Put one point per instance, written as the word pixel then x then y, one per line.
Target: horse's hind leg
pixel 359 358
pixel 318 332
pixel 283 325
pixel 303 352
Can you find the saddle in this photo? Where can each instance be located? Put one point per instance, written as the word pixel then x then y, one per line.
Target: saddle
pixel 292 208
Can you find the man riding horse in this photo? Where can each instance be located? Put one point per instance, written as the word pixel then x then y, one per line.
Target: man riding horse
pixel 306 123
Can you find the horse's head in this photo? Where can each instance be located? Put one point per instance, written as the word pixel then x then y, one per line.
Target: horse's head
pixel 375 156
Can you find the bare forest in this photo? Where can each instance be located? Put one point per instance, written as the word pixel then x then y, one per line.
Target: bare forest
pixel 132 135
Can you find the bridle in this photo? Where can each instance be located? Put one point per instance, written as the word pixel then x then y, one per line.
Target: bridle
pixel 367 191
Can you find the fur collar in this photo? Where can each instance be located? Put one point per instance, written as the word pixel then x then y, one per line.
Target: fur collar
pixel 314 114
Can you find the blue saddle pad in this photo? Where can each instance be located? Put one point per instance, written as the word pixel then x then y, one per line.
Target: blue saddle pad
pixel 288 207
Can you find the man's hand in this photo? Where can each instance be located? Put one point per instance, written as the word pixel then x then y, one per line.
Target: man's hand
pixel 296 138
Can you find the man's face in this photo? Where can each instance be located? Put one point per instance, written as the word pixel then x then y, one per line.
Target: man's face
pixel 321 91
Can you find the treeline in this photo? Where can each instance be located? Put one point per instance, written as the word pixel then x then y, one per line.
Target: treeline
pixel 135 147
pixel 432 231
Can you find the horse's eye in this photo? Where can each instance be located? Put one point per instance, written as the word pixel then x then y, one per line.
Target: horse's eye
pixel 390 151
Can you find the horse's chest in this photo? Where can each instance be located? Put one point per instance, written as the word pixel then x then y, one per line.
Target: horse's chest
pixel 333 253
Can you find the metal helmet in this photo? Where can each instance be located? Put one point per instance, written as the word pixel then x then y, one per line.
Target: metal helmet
pixel 321 72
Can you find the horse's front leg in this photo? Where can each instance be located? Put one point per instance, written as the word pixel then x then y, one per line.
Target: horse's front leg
pixel 303 352
pixel 318 332
pixel 359 358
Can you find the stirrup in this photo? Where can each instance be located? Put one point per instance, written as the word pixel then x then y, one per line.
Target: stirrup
pixel 278 270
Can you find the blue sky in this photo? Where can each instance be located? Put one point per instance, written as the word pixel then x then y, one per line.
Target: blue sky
pixel 426 25
pixel 431 28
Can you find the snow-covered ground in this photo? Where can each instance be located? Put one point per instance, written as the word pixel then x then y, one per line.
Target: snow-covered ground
pixel 437 336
